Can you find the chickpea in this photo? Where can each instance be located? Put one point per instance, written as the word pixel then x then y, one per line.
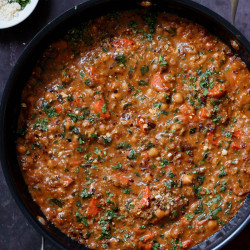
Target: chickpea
pixel 212 224
pixel 167 234
pixel 49 96
pixel 180 30
pixel 52 128
pixel 169 156
pixel 248 171
pixel 133 139
pixel 150 93
pixel 215 160
pixel 202 59
pixel 155 67
pixel 115 96
pixel 153 140
pixel 178 98
pixel 176 127
pixel 175 232
pixel 124 86
pixel 41 220
pixel 153 152
pixel 102 128
pixel 61 163
pixel 74 138
pixel 160 213
pixel 89 92
pixel 113 242
pixel 161 97
pixel 115 85
pixel 163 140
pixel 21 149
pixel 30 99
pixel 112 105
pixel 90 130
pixel 171 146
pixel 202 169
pixel 194 206
pixel 187 179
pixel 146 4
pixel 50 163
pixel 86 124
pixel 189 191
pixel 67 124
pixel 147 177
pixel 173 61
pixel 164 106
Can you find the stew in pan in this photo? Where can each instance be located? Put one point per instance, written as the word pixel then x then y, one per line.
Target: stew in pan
pixel 134 132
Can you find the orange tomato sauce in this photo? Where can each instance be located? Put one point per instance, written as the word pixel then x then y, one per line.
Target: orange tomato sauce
pixel 134 132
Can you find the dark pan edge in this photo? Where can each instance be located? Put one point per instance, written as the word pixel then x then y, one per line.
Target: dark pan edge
pixel 24 56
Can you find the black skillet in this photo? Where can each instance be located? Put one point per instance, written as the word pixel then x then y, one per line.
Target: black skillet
pixel 10 105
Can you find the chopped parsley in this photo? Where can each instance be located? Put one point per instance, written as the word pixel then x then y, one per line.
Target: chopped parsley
pixel 85 193
pixel 144 69
pixel 120 59
pixel 41 124
pixel 117 166
pixel 81 218
pixel 222 172
pixel 132 155
pixel 58 202
pixel 104 108
pixel 123 145
pixel 162 60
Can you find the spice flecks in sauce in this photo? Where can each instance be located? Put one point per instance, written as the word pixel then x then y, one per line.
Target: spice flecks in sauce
pixel 134 134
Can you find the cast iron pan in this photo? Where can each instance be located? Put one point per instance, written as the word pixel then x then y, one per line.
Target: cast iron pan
pixel 10 106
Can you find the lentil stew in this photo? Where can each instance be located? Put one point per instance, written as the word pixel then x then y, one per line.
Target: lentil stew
pixel 134 134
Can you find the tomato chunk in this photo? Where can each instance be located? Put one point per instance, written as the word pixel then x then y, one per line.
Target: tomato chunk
pixel 148 236
pixel 186 243
pixel 75 162
pixel 78 99
pixel 217 91
pixel 93 209
pixel 59 108
pixel 123 42
pixel 144 202
pixel 92 71
pixel 141 122
pixel 158 83
pixel 93 76
pixel 60 45
pixel 204 113
pixel 186 109
pixel 187 114
pixel 148 247
pixel 235 145
pixel 237 134
pixel 201 222
pixel 67 181
pixel 212 138
pixel 121 180
pixel 101 108
pixel 170 168
pixel 145 156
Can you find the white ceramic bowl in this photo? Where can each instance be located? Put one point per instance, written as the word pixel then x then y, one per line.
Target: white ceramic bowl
pixel 22 15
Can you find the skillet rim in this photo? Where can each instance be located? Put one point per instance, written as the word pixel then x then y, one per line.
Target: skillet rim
pixel 35 42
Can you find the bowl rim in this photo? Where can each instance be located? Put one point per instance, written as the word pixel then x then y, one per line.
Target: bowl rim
pixel 22 15
pixel 34 42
